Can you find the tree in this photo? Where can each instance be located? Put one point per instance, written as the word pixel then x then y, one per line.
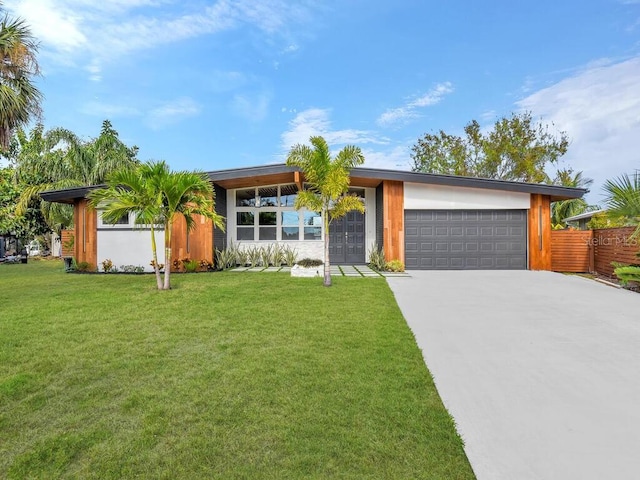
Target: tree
pixel 328 181
pixel 26 226
pixel 58 159
pixel 516 149
pixel 575 206
pixel 19 98
pixel 156 196
pixel 623 199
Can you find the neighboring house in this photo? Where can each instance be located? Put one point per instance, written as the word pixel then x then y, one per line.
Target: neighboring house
pixel 580 221
pixel 427 221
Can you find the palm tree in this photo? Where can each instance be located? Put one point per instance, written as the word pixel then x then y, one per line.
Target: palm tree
pixel 575 206
pixel 156 196
pixel 58 159
pixel 19 97
pixel 623 199
pixel 328 181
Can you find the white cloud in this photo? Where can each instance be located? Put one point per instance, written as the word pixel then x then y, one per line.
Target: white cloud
pixel 395 158
pixel 410 110
pixel 172 112
pixel 103 31
pixel 599 108
pixel 315 121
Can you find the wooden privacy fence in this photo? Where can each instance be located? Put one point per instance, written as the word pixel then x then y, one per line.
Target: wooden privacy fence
pixel 592 250
pixel 572 251
pixel 67 239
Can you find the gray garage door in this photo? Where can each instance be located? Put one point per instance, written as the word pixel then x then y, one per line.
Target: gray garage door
pixel 465 239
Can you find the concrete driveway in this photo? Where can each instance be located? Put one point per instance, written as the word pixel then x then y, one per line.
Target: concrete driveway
pixel 541 371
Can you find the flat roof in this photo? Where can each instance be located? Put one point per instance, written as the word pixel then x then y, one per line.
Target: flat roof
pixel 583 216
pixel 373 176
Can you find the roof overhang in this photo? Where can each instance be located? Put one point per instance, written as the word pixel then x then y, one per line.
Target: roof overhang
pixel 360 177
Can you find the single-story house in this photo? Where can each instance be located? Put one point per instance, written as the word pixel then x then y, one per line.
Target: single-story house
pixel 581 220
pixel 428 221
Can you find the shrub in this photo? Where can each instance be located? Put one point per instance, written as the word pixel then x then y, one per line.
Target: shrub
pixel 107 266
pixel 225 258
pixel 254 256
pixel 394 266
pixel 376 259
pixel 205 265
pixel 153 265
pixel 131 268
pixel 190 266
pixel 310 262
pixel 290 255
pixel 84 267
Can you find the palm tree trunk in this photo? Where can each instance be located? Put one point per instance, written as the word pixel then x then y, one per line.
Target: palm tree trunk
pixel 154 249
pixel 327 266
pixel 167 253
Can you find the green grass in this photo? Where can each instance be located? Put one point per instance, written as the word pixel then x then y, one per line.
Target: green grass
pixel 228 375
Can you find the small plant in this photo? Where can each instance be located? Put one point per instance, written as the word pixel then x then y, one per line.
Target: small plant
pixel 190 266
pixel 376 259
pixel 205 265
pixel 394 266
pixel 84 267
pixel 290 255
pixel 266 255
pixel 131 268
pixel 225 258
pixel 153 265
pixel 254 256
pixel 241 257
pixel 278 255
pixel 176 265
pixel 107 266
pixel 310 262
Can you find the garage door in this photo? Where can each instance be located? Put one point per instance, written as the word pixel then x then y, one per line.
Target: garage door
pixel 466 239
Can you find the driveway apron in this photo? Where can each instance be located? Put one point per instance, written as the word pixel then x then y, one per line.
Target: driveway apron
pixel 541 371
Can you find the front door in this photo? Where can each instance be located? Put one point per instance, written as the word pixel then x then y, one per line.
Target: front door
pixel 346 239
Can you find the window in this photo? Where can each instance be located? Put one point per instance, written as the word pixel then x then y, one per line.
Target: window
pixel 289 222
pixel 268 222
pixel 123 221
pixel 245 221
pixel 312 226
pixel 268 214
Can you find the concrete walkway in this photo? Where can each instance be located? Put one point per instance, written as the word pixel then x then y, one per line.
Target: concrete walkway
pixel 541 371
pixel 336 270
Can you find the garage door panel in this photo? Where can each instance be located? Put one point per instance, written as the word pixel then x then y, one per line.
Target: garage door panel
pixel 465 239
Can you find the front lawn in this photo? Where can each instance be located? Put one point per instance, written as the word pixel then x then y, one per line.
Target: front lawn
pixel 229 375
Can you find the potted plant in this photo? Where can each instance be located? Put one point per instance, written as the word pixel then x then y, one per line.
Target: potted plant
pixel 308 267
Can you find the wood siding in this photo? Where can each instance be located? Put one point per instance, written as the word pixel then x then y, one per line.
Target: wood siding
pixel 195 245
pixel 613 245
pixel 572 251
pixel 539 225
pixel 67 242
pixel 86 233
pixel 393 214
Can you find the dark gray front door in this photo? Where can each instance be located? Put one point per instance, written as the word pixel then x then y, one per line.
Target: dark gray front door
pixel 346 239
pixel 466 239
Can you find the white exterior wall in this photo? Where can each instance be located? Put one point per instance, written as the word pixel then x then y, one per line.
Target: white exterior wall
pixel 419 196
pixel 306 249
pixel 126 245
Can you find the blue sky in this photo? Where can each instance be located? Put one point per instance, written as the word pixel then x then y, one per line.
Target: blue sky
pixel 209 85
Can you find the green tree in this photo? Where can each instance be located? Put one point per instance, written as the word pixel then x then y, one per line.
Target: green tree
pixel 623 199
pixel 575 206
pixel 328 181
pixel 19 98
pixel 58 159
pixel 516 149
pixel 156 196
pixel 25 226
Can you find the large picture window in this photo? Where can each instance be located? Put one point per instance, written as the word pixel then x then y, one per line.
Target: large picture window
pixel 268 214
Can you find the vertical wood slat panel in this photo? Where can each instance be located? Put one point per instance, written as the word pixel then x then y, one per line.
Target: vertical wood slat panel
pixel 572 251
pixel 86 233
pixel 198 245
pixel 614 245
pixel 539 225
pixel 393 230
pixel 65 239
